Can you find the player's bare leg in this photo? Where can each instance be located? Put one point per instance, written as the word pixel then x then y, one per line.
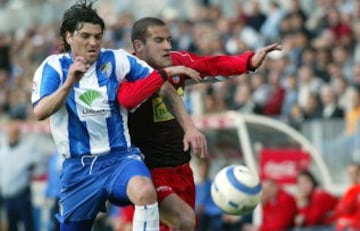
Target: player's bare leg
pixel 176 213
pixel 142 193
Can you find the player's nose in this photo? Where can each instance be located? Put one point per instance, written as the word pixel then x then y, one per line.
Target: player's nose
pixel 167 45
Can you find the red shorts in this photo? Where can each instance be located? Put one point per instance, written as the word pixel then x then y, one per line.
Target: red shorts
pixel 179 180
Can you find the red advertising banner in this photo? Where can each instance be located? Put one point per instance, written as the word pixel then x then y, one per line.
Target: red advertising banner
pixel 283 165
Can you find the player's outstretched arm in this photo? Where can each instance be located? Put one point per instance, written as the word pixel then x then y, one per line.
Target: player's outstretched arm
pixel 223 65
pixel 259 56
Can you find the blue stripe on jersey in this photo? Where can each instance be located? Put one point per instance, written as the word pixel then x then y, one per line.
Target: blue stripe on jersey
pixel 137 70
pixel 49 85
pixel 115 123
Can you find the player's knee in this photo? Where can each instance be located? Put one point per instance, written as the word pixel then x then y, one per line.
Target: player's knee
pixel 187 222
pixel 141 191
pixel 184 221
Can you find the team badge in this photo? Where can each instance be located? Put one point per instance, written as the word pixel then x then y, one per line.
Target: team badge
pixel 106 69
pixel 175 79
pixel 34 86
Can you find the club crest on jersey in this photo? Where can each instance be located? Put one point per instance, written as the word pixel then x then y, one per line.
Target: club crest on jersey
pixel 34 86
pixel 175 79
pixel 106 69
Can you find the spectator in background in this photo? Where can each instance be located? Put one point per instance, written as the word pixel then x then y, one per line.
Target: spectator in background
pixel 5 59
pixel 270 28
pixel 342 58
pixel 343 92
pixel 278 208
pixel 209 216
pixel 308 84
pixel 296 117
pixel 260 90
pixel 348 205
pixel 18 161
pixel 243 101
pixel 53 187
pixel 312 109
pixel 256 17
pixel 323 58
pixel 330 109
pixel 290 97
pixel 315 205
pixel 276 96
pixel 353 115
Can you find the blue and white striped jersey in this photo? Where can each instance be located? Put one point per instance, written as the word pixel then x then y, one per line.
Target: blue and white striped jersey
pixel 91 121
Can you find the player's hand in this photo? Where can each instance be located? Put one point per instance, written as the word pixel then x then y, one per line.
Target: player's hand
pixel 196 140
pixel 182 70
pixel 259 56
pixel 77 69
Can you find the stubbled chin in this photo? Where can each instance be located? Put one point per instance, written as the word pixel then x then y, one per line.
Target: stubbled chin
pixel 165 62
pixel 92 57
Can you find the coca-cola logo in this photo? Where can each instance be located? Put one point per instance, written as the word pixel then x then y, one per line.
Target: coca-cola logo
pixel 279 170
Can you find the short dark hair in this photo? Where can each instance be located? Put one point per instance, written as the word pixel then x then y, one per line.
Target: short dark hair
pixel 306 173
pixel 81 12
pixel 141 26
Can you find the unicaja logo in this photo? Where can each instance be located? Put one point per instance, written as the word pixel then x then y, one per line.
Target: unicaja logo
pixel 89 97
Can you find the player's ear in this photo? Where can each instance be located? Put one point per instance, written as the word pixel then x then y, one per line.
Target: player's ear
pixel 68 37
pixel 138 45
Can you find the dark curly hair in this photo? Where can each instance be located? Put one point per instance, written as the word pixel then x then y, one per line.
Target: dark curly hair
pixel 81 12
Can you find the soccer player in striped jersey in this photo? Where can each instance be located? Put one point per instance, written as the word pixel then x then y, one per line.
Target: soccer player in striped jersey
pixel 165 142
pixel 78 90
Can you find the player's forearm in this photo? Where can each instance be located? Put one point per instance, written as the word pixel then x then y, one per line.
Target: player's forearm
pixel 176 106
pixel 223 65
pixel 51 103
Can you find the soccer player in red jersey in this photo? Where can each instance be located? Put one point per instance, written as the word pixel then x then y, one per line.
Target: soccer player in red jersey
pixel 162 139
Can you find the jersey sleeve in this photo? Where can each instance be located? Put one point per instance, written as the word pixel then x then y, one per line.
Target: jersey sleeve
pixel 129 67
pixel 214 65
pixel 137 80
pixel 132 93
pixel 47 79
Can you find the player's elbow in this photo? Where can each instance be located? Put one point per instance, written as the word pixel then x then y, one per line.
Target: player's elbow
pixel 39 114
pixel 125 101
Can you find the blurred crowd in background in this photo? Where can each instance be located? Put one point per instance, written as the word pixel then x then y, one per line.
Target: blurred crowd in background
pixel 315 77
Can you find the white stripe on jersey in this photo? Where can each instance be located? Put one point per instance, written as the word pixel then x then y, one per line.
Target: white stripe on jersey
pixel 98 136
pixel 59 129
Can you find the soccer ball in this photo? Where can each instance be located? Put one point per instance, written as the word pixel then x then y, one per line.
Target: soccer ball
pixel 236 190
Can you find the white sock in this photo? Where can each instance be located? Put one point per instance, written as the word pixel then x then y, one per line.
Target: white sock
pixel 146 218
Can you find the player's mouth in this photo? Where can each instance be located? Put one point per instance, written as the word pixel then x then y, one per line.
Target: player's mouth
pixel 92 52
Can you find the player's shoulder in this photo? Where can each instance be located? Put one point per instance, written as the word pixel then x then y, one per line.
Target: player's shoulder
pixel 55 60
pixel 118 52
pixel 56 57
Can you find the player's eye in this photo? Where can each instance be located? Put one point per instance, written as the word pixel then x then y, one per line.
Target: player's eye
pixel 98 37
pixel 158 40
pixel 85 35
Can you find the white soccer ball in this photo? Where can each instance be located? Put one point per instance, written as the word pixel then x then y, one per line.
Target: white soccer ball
pixel 236 190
